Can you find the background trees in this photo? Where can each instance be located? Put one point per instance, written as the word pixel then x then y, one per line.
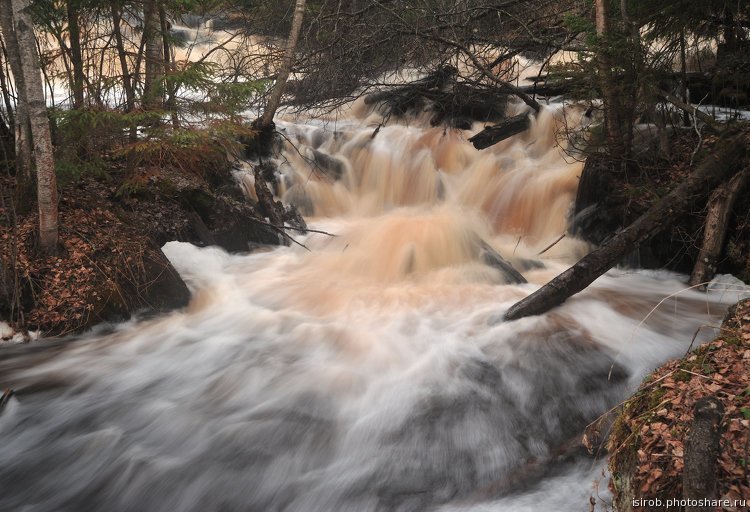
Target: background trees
pixel 114 69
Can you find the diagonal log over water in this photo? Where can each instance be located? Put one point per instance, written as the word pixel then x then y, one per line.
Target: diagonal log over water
pixel 725 162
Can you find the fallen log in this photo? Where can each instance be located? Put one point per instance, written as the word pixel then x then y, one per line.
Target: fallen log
pixel 720 206
pixel 701 455
pixel 692 110
pixel 436 80
pixel 725 162
pixel 453 103
pixel 491 135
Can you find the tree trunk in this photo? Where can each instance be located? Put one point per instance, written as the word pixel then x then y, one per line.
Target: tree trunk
pixel 168 67
pixel 152 88
pixel 719 213
pixel 683 78
pixel 40 130
pixel 76 57
pixel 726 161
pixel 23 148
pixel 4 90
pixel 610 93
pixel 6 139
pixel 7 122
pixel 286 65
pixel 127 81
pixel 702 454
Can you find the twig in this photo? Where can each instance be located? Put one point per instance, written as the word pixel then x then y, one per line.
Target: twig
pixel 301 230
pixel 697 131
pixel 552 244
pixel 510 88
pixel 283 233
pixel 695 335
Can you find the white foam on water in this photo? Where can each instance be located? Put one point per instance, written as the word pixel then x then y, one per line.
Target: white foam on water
pixel 372 372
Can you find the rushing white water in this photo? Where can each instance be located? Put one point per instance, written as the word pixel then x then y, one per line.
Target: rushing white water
pixel 370 373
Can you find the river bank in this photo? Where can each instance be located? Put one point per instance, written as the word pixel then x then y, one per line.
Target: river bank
pixel 647 443
pixel 110 264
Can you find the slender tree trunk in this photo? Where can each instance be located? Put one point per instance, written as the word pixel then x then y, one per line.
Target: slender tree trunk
pixel 171 103
pixel 122 55
pixel 6 134
pixel 23 147
pixel 127 81
pixel 43 68
pixel 137 66
pixel 152 86
pixel 5 90
pixel 40 129
pixel 7 121
pixel 76 56
pixel 57 31
pixel 634 64
pixel 100 74
pixel 610 93
pixel 726 161
pixel 286 65
pixel 683 79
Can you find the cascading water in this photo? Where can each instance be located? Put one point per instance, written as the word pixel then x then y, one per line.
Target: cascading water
pixel 372 373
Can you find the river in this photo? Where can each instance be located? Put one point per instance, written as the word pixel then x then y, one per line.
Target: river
pixel 366 371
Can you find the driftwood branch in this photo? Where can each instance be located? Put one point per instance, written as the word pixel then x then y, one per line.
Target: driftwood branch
pixel 725 162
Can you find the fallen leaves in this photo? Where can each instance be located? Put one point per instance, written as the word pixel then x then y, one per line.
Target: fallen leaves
pixel 98 253
pixel 648 443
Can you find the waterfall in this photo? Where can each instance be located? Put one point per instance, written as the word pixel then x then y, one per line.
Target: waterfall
pixel 370 370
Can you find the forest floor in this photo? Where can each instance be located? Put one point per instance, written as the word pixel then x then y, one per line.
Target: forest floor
pixel 109 264
pixel 106 267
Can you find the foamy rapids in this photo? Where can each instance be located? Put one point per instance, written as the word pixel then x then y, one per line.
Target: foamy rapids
pixel 372 372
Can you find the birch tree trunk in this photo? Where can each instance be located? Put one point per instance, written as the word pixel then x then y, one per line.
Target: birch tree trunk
pixel 40 130
pixel 286 65
pixel 23 149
